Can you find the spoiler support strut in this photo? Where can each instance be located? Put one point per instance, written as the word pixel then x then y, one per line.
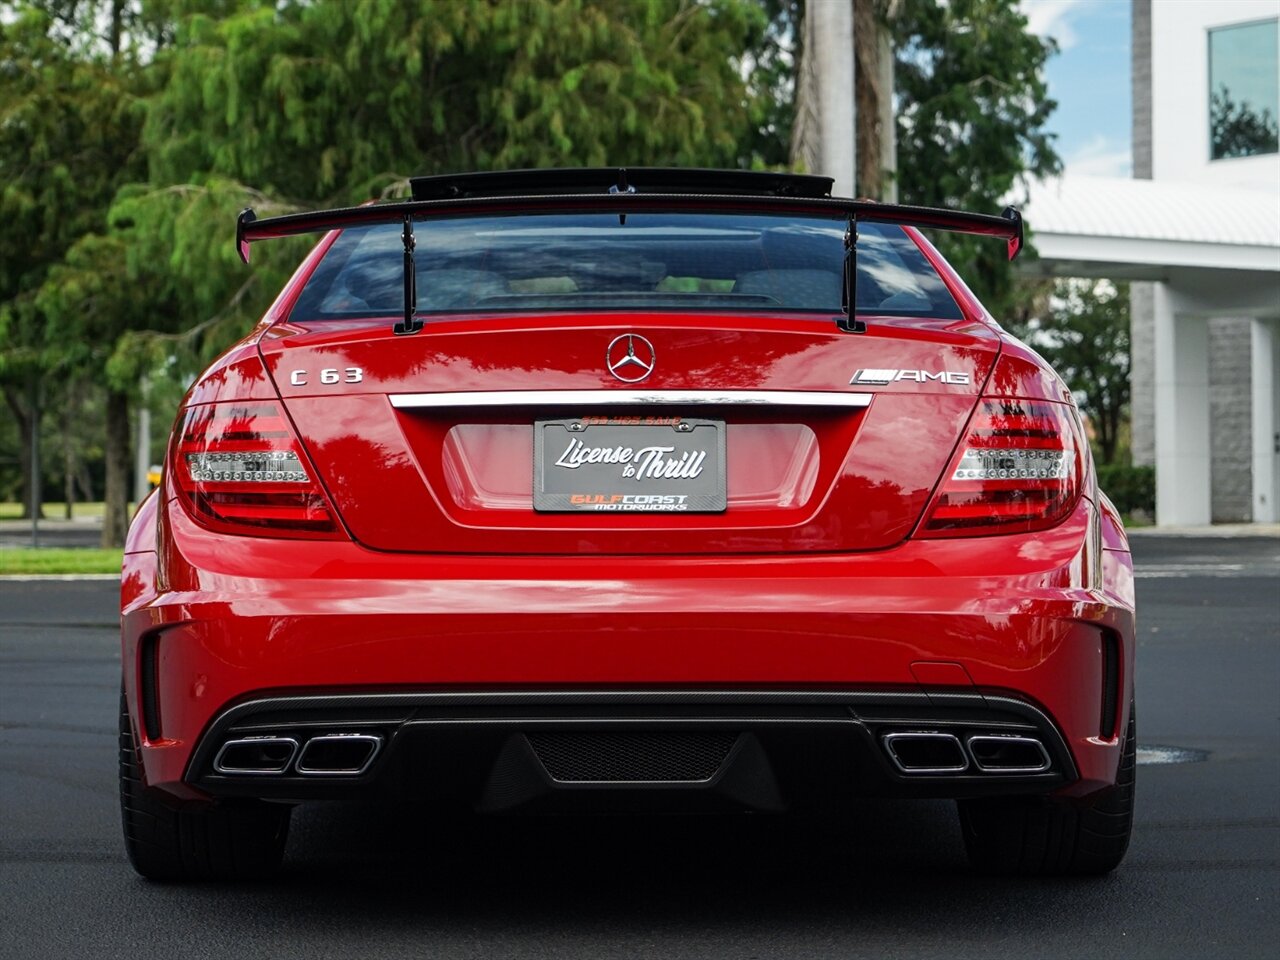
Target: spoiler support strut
pixel 410 323
pixel 848 320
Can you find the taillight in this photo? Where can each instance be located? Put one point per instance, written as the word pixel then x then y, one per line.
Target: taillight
pixel 1018 468
pixel 239 469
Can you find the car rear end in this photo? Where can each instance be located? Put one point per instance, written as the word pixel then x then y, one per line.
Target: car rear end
pixel 626 516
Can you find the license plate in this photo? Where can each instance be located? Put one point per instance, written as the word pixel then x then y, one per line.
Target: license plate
pixel 646 464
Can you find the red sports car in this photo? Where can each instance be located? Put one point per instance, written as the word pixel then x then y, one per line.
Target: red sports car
pixel 610 490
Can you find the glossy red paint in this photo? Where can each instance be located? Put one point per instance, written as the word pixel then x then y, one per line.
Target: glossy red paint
pixel 1023 614
pixel 237 375
pixel 1020 372
pixel 866 495
pixel 485 352
pixel 432 587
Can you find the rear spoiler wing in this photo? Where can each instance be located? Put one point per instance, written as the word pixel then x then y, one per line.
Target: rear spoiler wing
pixel 249 229
pixel 1007 226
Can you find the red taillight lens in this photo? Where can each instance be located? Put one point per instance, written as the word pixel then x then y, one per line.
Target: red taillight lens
pixel 1018 468
pixel 239 469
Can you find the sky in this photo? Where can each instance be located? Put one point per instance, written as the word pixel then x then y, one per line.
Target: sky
pixel 1089 77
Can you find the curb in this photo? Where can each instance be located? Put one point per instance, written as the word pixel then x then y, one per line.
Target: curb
pixel 53 577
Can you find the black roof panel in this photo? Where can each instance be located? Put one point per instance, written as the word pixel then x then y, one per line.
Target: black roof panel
pixel 524 183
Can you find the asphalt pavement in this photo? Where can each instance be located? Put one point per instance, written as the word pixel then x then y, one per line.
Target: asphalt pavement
pixel 1202 878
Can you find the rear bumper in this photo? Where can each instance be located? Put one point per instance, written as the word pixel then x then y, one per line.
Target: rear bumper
pixel 522 750
pixel 214 624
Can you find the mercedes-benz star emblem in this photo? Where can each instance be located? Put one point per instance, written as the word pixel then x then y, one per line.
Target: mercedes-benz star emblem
pixel 630 358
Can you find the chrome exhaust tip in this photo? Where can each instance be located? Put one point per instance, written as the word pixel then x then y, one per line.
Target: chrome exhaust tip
pixel 339 754
pixel 925 751
pixel 256 756
pixel 1008 753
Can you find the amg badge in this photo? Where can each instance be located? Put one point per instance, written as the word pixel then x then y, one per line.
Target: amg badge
pixel 918 376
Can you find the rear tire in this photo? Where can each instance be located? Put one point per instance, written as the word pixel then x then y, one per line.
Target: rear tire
pixel 1031 836
pixel 167 841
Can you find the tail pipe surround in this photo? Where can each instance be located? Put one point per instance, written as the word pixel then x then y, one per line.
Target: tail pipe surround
pixel 256 755
pixel 325 755
pixel 935 752
pixel 1008 753
pixel 339 754
pixel 925 752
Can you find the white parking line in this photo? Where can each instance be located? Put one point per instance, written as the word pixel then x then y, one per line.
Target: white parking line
pixel 1154 755
pixel 1165 570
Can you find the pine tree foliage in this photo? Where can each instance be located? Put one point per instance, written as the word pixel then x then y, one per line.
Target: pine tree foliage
pixel 70 118
pixel 333 101
pixel 69 127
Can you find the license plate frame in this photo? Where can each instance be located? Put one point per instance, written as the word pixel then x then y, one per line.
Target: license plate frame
pixel 629 464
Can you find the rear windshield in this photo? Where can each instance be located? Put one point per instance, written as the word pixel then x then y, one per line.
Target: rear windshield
pixel 646 261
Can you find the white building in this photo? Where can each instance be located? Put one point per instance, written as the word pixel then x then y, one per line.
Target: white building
pixel 1201 240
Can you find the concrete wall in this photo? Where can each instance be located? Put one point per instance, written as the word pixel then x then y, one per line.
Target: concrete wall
pixel 1265 348
pixel 1181 411
pixel 1231 419
pixel 1142 373
pixel 1140 81
pixel 1142 318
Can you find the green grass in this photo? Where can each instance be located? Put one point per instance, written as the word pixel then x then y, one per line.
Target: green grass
pixel 55 510
pixel 16 560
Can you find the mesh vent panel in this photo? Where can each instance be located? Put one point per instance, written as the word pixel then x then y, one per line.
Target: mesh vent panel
pixel 618 757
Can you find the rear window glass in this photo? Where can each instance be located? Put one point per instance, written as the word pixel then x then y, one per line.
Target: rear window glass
pixel 646 261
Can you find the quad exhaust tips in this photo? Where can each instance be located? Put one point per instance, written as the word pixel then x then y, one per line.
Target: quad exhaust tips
pixel 926 752
pixel 1008 753
pixel 256 755
pixel 326 755
pixel 939 753
pixel 339 754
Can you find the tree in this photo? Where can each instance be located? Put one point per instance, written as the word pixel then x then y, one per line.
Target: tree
pixel 134 129
pixel 1087 341
pixel 317 102
pixel 128 297
pixel 873 79
pixel 69 125
pixel 291 103
pixel 771 61
pixel 972 108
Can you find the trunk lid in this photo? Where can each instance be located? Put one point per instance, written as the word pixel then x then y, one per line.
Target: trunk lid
pixel 426 443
